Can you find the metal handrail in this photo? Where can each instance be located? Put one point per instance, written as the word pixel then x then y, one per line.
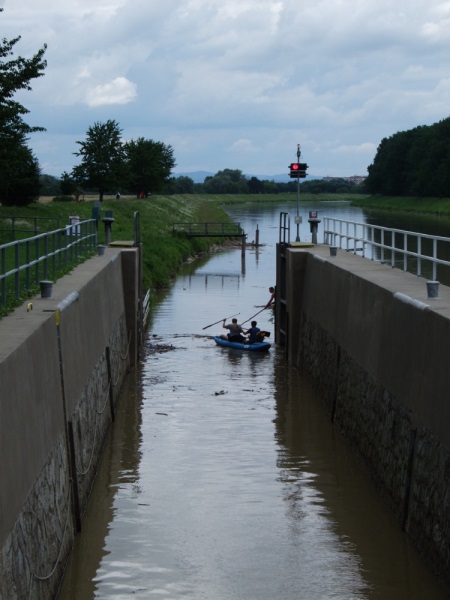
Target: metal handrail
pixel 27 261
pixel 396 247
pixel 284 228
pixel 29 225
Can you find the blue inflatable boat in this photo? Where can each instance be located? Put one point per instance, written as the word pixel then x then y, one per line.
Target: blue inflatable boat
pixel 256 347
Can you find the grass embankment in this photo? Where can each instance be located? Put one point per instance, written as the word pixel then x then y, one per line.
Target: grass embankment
pixel 163 251
pixel 229 199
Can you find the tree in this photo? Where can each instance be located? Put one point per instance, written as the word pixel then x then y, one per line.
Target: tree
pixel 149 165
pixel 67 185
pixel 179 185
pixel 103 158
pixel 15 158
pixel 228 181
pixel 255 186
pixel 24 176
pixel 50 186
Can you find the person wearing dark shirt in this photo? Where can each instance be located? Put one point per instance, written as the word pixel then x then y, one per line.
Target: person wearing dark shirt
pixel 252 333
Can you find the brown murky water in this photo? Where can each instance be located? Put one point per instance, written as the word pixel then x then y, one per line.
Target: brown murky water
pixel 224 479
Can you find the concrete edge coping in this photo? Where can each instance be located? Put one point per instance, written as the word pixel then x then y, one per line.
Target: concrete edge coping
pixel 408 300
pixel 68 300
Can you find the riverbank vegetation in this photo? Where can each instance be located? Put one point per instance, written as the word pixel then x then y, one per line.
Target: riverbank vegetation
pixel 436 206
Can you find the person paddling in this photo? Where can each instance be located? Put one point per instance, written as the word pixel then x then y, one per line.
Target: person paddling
pixel 253 333
pixel 235 331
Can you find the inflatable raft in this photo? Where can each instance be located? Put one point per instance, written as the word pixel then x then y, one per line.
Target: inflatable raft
pixel 256 347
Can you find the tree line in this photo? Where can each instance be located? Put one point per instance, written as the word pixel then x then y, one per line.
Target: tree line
pixel 227 181
pixel 233 181
pixel 413 163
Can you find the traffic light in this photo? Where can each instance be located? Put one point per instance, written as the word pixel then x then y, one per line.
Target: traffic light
pixel 298 170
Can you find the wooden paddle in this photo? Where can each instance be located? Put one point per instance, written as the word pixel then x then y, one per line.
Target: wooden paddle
pixel 260 311
pixel 220 321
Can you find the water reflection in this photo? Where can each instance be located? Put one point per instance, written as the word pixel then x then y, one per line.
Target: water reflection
pixel 118 474
pixel 325 490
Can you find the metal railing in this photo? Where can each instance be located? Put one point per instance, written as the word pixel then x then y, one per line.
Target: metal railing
pixel 23 263
pixel 419 253
pixel 12 227
pixel 284 228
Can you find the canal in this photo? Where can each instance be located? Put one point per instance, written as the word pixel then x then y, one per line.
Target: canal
pixel 223 478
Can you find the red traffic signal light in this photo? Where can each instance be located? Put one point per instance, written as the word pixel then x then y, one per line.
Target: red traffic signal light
pixel 298 170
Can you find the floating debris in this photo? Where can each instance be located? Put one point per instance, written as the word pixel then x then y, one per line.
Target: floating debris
pixel 160 348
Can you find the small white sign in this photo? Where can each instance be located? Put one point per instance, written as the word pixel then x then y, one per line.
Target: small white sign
pixel 298 219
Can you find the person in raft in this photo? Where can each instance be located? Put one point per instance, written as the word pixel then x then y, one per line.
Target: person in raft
pixel 235 331
pixel 252 333
pixel 272 297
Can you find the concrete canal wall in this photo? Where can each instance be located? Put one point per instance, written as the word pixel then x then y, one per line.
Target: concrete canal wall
pixel 62 364
pixel 377 350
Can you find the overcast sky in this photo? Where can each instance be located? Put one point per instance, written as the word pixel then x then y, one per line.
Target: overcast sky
pixel 235 83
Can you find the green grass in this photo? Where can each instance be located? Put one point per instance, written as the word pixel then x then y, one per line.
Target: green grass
pixel 230 199
pixel 437 206
pixel 163 252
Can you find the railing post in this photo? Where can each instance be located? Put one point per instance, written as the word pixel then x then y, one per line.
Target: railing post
pixel 17 263
pixel 36 257
pixel 3 261
pixel 434 257
pixel 27 258
pixel 419 255
pixel 46 257
pixel 53 238
pixel 393 249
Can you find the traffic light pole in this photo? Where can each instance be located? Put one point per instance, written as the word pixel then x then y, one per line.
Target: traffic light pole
pixel 297 239
pixel 298 170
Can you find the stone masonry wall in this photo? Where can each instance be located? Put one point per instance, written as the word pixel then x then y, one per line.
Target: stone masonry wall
pixel 62 367
pixel 409 466
pixel 376 350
